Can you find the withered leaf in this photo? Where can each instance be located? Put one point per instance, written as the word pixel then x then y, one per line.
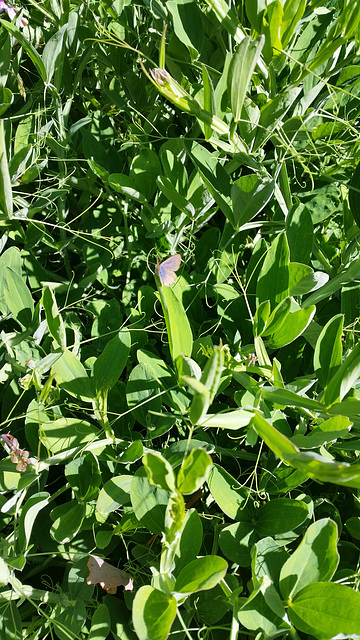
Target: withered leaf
pixel 108 576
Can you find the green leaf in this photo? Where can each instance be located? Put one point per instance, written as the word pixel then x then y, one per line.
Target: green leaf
pixel 190 540
pixel 10 621
pixel 100 623
pixel 125 185
pixel 70 621
pixel 30 510
pixel 53 53
pixel 18 297
pixel 149 503
pixel 328 349
pixel 71 375
pixel 250 194
pixel 194 471
pixel 142 392
pixel 144 171
pixel 241 69
pixel 325 610
pixel 30 50
pixel 109 366
pixel 292 327
pixel 263 610
pixel 215 178
pixel 187 22
pixel 354 194
pixel 300 234
pixel 83 475
pixel 227 492
pixel 345 277
pixel 114 493
pixel 6 99
pixel 153 613
pixel 273 280
pixel 315 559
pixel 68 519
pixel 53 317
pixel 277 317
pixel 66 433
pixel 344 378
pixel 279 516
pixel 173 195
pixel 200 574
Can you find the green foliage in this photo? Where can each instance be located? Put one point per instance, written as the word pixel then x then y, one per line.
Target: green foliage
pixel 202 437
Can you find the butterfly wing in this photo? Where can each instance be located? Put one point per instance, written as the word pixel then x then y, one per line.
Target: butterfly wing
pixel 166 270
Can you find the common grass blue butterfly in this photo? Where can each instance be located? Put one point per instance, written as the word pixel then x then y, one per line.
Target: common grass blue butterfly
pixel 166 270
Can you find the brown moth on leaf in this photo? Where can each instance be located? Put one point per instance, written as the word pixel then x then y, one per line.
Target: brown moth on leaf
pixel 108 576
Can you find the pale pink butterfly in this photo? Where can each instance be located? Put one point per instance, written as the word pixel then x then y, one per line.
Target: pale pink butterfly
pixel 166 270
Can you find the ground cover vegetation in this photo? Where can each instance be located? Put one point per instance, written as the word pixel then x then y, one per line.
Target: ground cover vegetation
pixel 201 438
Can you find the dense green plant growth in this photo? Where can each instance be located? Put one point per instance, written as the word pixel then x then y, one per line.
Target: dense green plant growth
pixel 201 437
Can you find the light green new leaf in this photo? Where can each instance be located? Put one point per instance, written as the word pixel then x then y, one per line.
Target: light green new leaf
pixel 159 471
pixel 153 613
pixel 177 323
pixel 293 12
pixel 194 471
pixel 206 388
